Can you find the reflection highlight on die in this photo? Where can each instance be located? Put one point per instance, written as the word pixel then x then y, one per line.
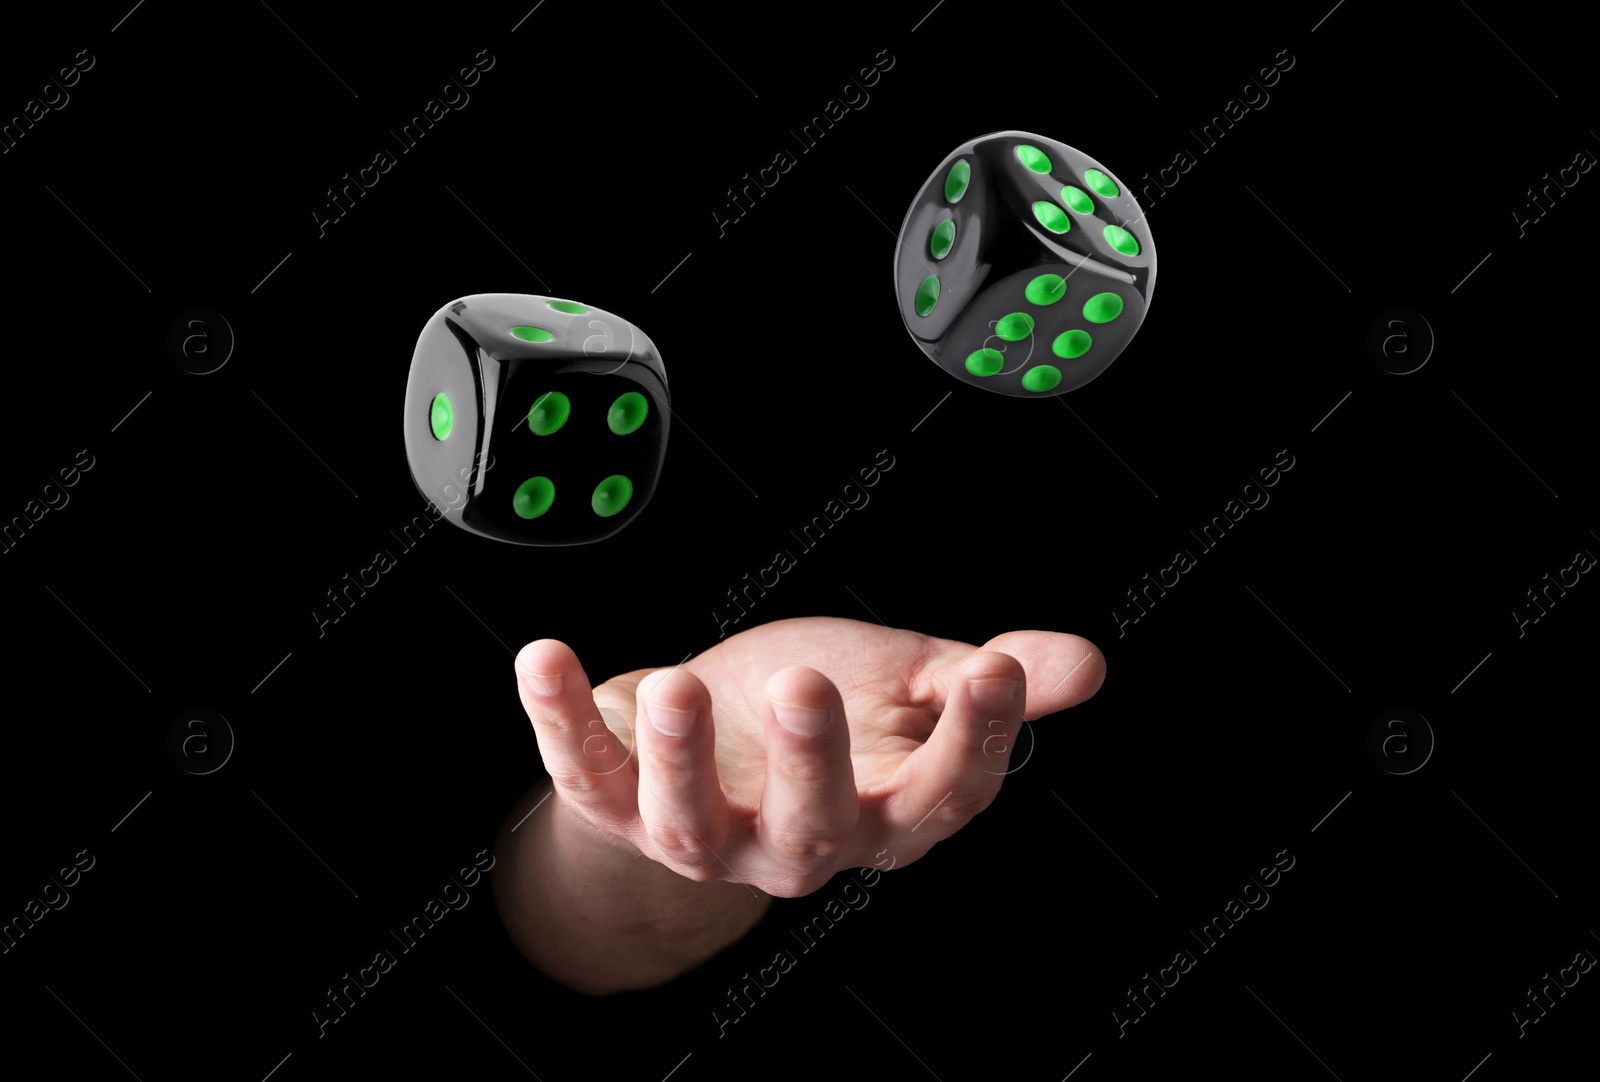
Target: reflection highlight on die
pixel 536 420
pixel 1024 266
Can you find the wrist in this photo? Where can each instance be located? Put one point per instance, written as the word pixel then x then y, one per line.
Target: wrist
pixel 593 912
pixel 669 907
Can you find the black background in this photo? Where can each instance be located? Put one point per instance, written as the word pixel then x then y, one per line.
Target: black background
pixel 378 757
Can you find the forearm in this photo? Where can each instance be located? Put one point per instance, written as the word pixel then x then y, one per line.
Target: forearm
pixel 598 917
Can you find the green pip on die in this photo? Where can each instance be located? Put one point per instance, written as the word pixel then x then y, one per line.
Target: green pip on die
pixel 566 401
pixel 1024 267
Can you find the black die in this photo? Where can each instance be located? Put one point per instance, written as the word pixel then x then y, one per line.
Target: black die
pixel 1024 266
pixel 534 420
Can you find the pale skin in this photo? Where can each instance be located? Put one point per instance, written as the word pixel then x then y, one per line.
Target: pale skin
pixel 762 767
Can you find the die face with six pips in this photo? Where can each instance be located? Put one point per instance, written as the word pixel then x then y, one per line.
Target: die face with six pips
pixel 1024 266
pixel 536 420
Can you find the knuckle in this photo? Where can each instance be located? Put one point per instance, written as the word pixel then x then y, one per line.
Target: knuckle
pixel 804 769
pixel 579 784
pixel 679 847
pixel 697 873
pixel 674 760
pixel 805 846
pixel 959 808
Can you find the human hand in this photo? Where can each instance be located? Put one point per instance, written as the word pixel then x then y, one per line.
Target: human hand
pixel 799 748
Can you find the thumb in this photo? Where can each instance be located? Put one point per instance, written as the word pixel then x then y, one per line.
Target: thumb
pixel 1062 670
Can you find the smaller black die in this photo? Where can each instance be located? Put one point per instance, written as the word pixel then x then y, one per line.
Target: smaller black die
pixel 1024 266
pixel 535 420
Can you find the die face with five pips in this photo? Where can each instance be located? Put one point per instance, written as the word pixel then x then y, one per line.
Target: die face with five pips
pixel 536 420
pixel 1024 266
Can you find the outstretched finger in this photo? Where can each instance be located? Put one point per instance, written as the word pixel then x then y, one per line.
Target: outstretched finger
pixel 681 804
pixel 593 770
pixel 809 804
pixel 956 774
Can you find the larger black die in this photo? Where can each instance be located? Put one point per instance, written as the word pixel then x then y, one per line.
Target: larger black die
pixel 536 421
pixel 1024 266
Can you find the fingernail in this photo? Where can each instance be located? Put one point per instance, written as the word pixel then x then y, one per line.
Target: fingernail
pixel 801 720
pixel 992 694
pixel 669 721
pixel 548 685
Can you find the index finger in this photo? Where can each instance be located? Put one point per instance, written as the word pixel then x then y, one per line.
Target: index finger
pixel 591 767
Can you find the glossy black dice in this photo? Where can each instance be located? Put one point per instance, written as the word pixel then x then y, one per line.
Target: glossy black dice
pixel 1024 266
pixel 536 420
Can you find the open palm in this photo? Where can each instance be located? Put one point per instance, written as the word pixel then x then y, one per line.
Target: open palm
pixel 799 748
